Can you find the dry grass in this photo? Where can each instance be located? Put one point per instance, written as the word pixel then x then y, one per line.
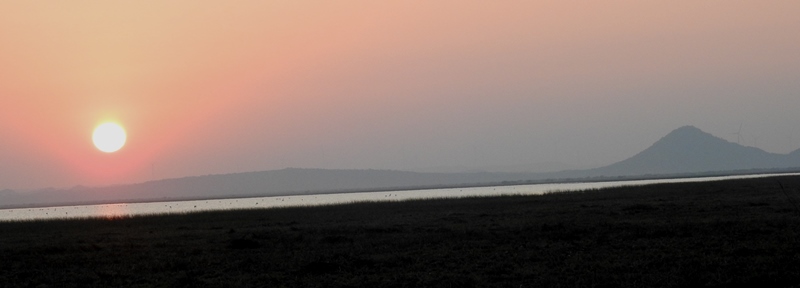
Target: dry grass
pixel 717 234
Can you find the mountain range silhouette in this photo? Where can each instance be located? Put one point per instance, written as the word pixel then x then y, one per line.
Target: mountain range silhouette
pixel 684 152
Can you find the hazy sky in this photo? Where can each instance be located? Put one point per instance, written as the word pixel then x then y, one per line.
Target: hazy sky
pixel 208 87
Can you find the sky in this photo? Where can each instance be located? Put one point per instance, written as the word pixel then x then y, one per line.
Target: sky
pixel 215 87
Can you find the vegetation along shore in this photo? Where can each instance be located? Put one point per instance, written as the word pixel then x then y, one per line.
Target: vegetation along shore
pixel 712 234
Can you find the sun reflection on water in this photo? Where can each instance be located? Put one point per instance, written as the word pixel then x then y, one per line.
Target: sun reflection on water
pixel 113 211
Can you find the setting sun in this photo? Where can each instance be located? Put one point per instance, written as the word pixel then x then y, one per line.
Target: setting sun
pixel 109 137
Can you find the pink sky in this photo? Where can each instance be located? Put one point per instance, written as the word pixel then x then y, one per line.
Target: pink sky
pixel 206 87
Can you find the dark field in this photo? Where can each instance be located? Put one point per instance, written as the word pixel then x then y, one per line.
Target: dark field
pixel 716 234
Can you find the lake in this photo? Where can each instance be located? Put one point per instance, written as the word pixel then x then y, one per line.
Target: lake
pixel 168 207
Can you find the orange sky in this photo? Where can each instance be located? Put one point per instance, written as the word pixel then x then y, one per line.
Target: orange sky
pixel 208 87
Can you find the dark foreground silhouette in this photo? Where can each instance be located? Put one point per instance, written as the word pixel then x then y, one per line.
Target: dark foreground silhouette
pixel 716 234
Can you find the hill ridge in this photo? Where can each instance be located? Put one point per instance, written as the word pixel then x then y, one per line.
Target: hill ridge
pixel 691 150
pixel 683 152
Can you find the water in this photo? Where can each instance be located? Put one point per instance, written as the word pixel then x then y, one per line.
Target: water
pixel 131 209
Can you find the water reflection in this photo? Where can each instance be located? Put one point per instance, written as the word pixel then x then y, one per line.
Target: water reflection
pixel 114 211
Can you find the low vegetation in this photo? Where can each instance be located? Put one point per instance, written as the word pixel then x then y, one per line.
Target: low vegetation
pixel 715 234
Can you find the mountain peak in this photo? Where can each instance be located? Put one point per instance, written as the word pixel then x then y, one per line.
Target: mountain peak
pixel 688 129
pixel 688 132
pixel 687 137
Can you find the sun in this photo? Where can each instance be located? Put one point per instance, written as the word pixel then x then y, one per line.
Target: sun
pixel 109 137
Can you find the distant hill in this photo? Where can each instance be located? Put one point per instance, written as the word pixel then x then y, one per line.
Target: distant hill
pixel 689 150
pixel 686 151
pixel 290 181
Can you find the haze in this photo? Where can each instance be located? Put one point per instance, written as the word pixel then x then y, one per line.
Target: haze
pixel 209 87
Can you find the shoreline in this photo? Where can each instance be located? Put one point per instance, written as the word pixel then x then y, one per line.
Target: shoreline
pixel 753 173
pixel 740 232
pixel 126 209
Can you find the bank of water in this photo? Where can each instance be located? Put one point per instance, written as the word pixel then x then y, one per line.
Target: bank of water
pixel 167 207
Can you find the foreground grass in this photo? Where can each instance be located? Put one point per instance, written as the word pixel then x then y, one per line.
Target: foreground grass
pixel 717 234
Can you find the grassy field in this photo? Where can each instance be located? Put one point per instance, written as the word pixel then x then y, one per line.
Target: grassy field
pixel 716 234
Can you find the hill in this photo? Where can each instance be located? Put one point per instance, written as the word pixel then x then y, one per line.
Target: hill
pixel 290 181
pixel 689 150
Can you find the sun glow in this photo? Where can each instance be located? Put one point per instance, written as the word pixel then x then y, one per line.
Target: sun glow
pixel 109 137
